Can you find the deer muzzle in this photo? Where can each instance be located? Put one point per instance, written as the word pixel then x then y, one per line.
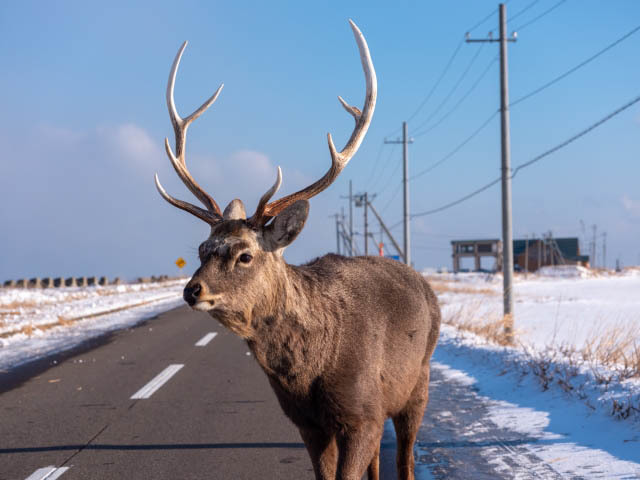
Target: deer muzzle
pixel 197 295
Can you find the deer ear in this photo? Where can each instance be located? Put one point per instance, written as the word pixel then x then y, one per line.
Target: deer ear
pixel 286 226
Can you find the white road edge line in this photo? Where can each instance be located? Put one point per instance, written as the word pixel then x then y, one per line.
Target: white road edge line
pixel 47 473
pixel 162 378
pixel 204 341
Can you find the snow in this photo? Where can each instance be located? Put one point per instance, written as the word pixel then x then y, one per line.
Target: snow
pixel 38 322
pixel 541 389
pixel 559 307
pixel 575 440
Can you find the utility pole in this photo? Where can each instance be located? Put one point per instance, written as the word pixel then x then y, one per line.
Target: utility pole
pixel 507 231
pixel 526 256
pixel 351 199
pixel 338 234
pixel 350 219
pixel 593 246
pixel 405 183
pixel 362 200
pixel 604 250
pixel 366 226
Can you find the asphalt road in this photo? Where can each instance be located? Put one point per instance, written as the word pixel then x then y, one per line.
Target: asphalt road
pixel 216 417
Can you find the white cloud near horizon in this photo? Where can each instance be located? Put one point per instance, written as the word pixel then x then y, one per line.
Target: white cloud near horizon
pixel 83 202
pixel 631 206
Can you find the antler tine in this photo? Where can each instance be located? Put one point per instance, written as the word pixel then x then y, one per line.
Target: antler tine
pixel 339 159
pixel 258 217
pixel 180 126
pixel 202 214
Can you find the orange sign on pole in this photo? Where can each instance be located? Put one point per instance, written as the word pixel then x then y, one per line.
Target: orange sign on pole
pixel 180 263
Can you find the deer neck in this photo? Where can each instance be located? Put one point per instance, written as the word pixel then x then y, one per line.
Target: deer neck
pixel 294 339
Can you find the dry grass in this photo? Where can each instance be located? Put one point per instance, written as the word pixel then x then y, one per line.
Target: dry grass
pixel 617 348
pixel 62 321
pixel 469 319
pixel 448 287
pixel 12 308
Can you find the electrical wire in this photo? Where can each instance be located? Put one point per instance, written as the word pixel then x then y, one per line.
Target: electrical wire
pixel 455 87
pixel 457 148
pixel 435 85
pixel 375 164
pixel 491 14
pixel 577 67
pixel 516 15
pixel 543 14
pixel 396 225
pixel 464 97
pixel 576 136
pixel 384 168
pixel 393 197
pixel 393 174
pixel 533 160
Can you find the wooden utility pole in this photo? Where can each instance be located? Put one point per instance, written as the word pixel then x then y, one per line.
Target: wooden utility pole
pixel 366 226
pixel 350 219
pixel 507 230
pixel 526 256
pixel 405 183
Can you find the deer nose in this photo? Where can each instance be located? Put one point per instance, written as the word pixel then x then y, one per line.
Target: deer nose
pixel 192 293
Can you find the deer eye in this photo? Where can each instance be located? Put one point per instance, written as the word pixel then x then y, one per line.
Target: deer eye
pixel 245 258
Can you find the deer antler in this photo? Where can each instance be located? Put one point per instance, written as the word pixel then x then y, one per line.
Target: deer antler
pixel 212 214
pixel 339 160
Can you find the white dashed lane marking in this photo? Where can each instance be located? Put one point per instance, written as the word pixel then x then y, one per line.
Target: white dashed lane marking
pixel 47 473
pixel 151 387
pixel 206 339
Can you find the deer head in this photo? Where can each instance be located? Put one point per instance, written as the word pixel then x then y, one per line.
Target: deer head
pixel 242 269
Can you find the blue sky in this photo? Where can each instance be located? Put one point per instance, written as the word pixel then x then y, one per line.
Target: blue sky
pixel 84 117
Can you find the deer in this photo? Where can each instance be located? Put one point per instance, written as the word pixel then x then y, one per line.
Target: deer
pixel 345 342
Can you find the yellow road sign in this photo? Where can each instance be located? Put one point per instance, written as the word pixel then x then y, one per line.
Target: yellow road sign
pixel 180 262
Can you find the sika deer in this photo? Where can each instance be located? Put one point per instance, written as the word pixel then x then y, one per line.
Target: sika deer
pixel 345 342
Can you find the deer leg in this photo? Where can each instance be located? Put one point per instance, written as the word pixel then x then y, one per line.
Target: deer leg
pixel 357 447
pixel 323 451
pixel 373 472
pixel 407 423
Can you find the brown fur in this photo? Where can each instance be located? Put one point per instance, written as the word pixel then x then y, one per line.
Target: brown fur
pixel 345 342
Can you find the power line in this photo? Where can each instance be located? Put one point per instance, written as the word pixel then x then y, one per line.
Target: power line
pixel 393 197
pixel 385 165
pixel 576 136
pixel 577 67
pixel 490 15
pixel 533 160
pixel 457 148
pixel 543 14
pixel 452 91
pixel 444 72
pixel 446 69
pixel 464 97
pixel 375 164
pixel 393 174
pixel 397 224
pixel 456 202
pixel 516 15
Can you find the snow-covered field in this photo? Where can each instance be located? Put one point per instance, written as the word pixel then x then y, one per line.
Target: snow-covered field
pixel 38 322
pixel 566 306
pixel 552 405
pixel 573 330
